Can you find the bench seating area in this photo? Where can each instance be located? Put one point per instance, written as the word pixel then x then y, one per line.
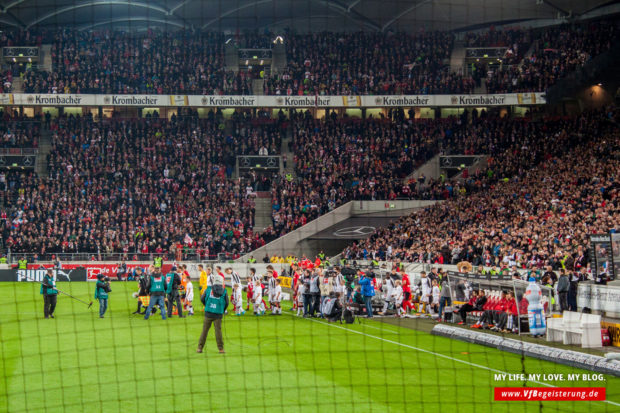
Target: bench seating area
pixel 576 328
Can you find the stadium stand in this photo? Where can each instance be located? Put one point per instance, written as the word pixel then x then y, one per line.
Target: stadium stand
pixel 368 64
pixel 327 63
pixel 557 52
pixel 535 206
pixel 149 183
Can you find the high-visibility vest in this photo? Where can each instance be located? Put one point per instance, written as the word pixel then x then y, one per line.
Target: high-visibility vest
pixel 158 284
pixel 22 264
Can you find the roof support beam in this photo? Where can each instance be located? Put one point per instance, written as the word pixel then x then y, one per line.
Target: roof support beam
pixel 404 13
pixel 234 10
pixel 99 3
pixel 129 19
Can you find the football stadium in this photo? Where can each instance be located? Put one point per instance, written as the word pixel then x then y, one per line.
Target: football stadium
pixel 296 205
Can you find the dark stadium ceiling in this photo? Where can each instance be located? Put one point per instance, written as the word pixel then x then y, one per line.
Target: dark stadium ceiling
pixel 301 15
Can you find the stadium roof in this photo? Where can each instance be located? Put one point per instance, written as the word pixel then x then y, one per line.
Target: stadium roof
pixel 301 15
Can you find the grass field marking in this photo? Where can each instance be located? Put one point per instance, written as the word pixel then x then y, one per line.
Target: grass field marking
pixel 380 328
pixel 438 354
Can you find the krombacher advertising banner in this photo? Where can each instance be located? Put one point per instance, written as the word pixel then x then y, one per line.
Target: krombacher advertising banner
pixel 507 99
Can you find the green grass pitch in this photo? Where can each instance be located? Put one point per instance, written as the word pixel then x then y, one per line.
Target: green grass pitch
pixel 80 363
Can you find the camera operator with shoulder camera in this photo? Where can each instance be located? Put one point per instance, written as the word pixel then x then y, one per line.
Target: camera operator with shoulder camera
pixel 368 291
pixel 215 301
pixel 101 293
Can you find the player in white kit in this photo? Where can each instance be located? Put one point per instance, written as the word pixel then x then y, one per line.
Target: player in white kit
pixel 257 294
pixel 237 299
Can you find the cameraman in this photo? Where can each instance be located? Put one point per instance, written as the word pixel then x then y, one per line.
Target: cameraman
pixel 368 291
pixel 173 281
pixel 101 293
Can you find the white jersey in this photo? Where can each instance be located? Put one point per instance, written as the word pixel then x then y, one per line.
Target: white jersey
pixel 257 294
pixel 277 294
pixel 397 295
pixel 389 289
pixel 436 293
pixel 189 291
pixel 272 286
pixel 339 283
pixel 234 279
pixel 237 297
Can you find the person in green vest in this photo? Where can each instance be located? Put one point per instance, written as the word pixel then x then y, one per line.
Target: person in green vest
pixel 251 260
pixel 158 262
pixel 22 264
pixel 215 300
pixel 322 255
pixel 3 260
pixel 50 294
pixel 374 263
pixel 343 262
pixel 157 290
pixel 101 293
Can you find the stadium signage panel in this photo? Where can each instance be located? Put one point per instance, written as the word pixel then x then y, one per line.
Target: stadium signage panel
pixel 74 274
pixel 219 101
pixel 92 270
pixel 130 100
pixel 567 357
pixel 61 100
pixel 598 297
pixel 479 276
pixel 33 99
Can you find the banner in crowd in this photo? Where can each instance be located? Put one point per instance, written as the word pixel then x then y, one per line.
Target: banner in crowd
pixel 41 99
pixel 601 246
pixel 75 274
pixel 92 270
pixel 615 253
pixel 286 282
pixel 598 297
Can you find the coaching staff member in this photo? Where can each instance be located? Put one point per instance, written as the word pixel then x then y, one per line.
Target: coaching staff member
pixel 215 300
pixel 50 294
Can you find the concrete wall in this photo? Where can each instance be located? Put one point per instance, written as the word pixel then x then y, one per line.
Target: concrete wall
pixel 297 243
pixel 430 169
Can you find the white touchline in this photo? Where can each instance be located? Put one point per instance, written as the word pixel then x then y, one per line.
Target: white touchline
pixel 441 355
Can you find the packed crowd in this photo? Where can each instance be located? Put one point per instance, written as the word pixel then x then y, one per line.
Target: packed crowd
pixel 143 186
pixel 516 41
pixel 368 64
pixel 558 51
pixel 190 62
pixel 535 206
pixel 329 63
pixel 338 160
pixel 18 133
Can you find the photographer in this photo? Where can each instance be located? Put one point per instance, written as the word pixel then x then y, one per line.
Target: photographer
pixel 173 280
pixel 101 293
pixel 215 301
pixel 368 291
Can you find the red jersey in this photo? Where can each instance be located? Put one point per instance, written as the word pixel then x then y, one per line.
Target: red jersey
pixel 406 284
pixel 512 307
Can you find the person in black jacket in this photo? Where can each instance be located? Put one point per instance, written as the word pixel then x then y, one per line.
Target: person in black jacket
pixel 470 306
pixel 50 294
pixel 173 281
pixel 143 290
pixel 563 286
